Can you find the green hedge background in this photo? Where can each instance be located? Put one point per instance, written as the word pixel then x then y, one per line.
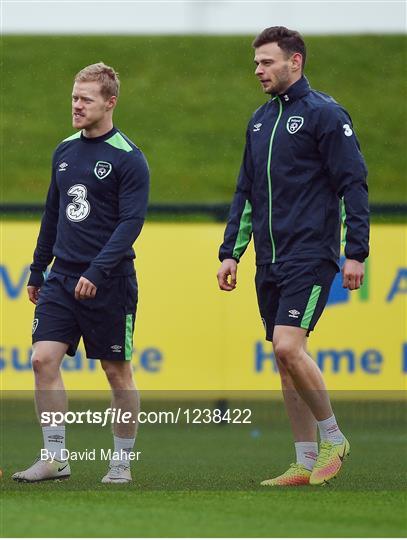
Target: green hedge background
pixel 186 101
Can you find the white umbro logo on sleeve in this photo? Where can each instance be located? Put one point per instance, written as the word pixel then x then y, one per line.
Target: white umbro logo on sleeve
pixel 63 166
pixel 257 127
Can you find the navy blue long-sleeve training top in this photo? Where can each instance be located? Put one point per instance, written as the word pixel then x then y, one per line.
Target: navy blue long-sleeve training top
pixel 300 161
pixel 95 208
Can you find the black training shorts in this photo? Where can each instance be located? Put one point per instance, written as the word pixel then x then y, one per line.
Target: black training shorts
pixel 293 293
pixel 105 323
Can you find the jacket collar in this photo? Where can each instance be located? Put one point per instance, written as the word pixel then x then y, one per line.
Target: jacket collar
pixel 296 90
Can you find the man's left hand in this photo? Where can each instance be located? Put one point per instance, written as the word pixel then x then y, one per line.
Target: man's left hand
pixel 353 273
pixel 85 289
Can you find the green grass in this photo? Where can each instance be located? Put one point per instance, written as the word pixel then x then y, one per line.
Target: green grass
pixel 202 514
pixel 186 101
pixel 196 480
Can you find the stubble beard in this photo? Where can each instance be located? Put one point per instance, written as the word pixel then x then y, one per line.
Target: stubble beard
pixel 282 83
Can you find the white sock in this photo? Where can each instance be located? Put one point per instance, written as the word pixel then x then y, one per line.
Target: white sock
pixel 329 430
pixel 124 447
pixel 307 453
pixel 54 440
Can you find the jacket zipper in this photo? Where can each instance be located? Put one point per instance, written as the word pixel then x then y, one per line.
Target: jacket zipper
pixel 273 247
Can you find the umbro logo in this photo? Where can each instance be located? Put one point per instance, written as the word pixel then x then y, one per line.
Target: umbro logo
pixel 293 313
pixel 257 127
pixel 333 428
pixel 56 439
pixel 116 348
pixel 63 166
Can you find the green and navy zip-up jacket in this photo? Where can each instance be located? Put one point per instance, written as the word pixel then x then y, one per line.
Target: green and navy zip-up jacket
pixel 301 162
pixel 95 208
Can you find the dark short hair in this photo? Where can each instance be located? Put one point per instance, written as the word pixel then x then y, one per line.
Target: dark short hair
pixel 289 41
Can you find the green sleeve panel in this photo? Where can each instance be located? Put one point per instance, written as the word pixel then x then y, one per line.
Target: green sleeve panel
pixel 245 231
pixel 344 227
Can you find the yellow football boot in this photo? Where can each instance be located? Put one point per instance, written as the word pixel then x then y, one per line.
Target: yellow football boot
pixel 329 462
pixel 296 475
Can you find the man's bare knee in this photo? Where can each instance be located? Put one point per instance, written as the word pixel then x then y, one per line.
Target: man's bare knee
pixel 288 354
pixel 47 356
pixel 288 344
pixel 119 375
pixel 44 365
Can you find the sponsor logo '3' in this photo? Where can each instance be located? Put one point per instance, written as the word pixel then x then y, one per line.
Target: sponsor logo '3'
pixel 347 130
pixel 79 208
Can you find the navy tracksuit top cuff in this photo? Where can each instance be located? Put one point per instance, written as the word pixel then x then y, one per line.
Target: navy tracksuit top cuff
pixel 223 257
pixel 36 279
pixel 357 257
pixel 94 275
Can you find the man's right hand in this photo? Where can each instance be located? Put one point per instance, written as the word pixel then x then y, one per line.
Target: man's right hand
pixel 228 268
pixel 33 293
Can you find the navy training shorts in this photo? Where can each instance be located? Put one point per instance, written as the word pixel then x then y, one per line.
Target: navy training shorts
pixel 293 293
pixel 106 322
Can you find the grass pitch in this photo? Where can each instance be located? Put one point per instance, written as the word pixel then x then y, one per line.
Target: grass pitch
pixel 195 480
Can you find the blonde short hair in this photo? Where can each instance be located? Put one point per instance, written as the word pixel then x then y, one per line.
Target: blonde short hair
pixel 105 75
